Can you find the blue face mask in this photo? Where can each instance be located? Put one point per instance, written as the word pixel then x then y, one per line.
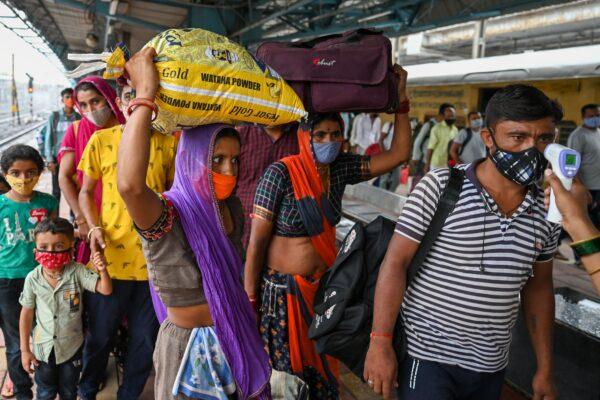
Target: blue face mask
pixel 593 122
pixel 326 153
pixel 477 124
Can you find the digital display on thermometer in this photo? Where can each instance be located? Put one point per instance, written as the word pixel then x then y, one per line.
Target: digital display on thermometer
pixel 571 160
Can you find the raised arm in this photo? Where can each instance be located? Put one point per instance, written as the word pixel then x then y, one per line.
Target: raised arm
pixel 400 148
pixel 142 203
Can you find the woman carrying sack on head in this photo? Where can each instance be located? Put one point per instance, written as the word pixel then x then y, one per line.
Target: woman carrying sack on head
pixel 292 242
pixel 207 346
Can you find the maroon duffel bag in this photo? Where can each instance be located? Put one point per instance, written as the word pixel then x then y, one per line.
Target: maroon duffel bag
pixel 350 72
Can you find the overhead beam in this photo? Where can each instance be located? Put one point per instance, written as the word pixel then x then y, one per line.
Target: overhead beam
pixel 333 30
pixel 276 14
pixel 398 27
pixel 188 5
pixel 359 11
pixel 103 9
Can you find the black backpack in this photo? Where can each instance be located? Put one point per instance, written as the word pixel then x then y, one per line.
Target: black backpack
pixel 343 303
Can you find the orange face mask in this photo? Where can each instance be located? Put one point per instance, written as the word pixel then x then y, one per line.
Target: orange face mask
pixel 223 184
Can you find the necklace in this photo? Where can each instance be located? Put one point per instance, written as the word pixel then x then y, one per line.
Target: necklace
pixel 53 276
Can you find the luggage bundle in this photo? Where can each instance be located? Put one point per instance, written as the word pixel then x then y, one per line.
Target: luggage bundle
pixel 205 78
pixel 350 72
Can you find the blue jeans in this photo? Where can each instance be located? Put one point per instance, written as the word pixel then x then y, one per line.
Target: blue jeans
pixel 426 380
pixel 52 379
pixel 10 311
pixel 105 313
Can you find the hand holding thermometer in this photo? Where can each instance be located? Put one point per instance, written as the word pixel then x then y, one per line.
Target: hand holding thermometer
pixel 565 165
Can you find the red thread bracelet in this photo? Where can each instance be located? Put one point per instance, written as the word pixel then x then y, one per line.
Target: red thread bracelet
pixel 382 335
pixel 140 101
pixel 404 107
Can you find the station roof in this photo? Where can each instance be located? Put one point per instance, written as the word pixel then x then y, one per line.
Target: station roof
pixel 94 25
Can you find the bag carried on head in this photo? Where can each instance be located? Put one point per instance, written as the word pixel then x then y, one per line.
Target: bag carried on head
pixel 205 78
pixel 350 72
pixel 344 301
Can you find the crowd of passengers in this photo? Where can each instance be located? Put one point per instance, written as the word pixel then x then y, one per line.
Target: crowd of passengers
pixel 202 251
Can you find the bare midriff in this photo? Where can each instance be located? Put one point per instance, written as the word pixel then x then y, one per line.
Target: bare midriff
pixel 190 317
pixel 294 256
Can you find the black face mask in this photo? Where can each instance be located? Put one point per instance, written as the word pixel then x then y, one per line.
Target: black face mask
pixel 522 167
pixel 450 121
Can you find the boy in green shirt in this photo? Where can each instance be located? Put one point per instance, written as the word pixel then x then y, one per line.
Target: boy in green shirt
pixel 21 208
pixel 53 291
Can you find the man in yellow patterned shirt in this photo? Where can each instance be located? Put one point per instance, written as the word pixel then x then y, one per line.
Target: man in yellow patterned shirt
pixel 112 230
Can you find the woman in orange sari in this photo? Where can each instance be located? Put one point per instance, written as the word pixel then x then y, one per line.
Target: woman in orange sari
pixel 297 205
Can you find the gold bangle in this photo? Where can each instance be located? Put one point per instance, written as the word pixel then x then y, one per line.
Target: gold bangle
pixel 89 235
pixel 584 240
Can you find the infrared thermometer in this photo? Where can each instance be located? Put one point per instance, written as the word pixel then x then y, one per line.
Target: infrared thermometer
pixel 565 165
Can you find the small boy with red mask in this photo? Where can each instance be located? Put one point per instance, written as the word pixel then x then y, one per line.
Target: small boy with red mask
pixel 54 292
pixel 21 208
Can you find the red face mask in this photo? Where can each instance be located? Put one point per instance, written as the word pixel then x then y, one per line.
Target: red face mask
pixel 53 260
pixel 223 184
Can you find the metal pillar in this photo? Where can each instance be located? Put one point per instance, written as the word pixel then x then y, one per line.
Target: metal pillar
pixel 478 50
pixel 30 91
pixel 15 103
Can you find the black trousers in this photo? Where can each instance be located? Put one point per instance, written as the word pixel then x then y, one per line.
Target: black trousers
pixel 52 378
pixel 55 185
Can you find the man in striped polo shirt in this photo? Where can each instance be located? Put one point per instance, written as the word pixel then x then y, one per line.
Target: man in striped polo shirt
pixel 494 252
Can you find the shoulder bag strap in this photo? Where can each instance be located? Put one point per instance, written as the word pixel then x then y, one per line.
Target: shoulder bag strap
pixel 469 136
pixel 445 206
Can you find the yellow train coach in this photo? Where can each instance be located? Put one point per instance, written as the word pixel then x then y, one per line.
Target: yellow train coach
pixel 572 76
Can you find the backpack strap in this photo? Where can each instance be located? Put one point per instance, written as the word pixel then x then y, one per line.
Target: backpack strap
pixel 445 206
pixel 469 136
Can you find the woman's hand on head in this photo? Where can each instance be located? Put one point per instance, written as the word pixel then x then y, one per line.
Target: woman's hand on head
pixel 142 73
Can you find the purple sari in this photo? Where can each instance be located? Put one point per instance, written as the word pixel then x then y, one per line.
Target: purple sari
pixel 235 323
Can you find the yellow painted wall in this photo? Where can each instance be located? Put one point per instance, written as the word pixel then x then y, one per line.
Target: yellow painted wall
pixel 571 93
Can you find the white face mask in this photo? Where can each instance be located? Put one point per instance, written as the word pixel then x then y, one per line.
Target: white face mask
pixel 476 124
pixel 100 116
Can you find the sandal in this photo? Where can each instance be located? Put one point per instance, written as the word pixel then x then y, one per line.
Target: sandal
pixel 8 389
